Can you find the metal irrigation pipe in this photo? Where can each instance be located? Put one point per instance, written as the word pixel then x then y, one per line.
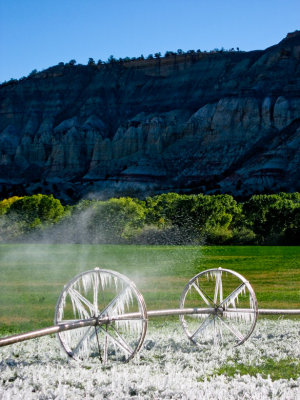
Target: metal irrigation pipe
pixel 94 321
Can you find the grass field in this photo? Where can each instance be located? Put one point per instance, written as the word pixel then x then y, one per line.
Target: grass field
pixel 32 276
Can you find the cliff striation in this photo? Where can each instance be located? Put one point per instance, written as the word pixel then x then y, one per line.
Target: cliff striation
pixel 209 122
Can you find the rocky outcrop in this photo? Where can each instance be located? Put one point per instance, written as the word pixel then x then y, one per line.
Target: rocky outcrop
pixel 209 122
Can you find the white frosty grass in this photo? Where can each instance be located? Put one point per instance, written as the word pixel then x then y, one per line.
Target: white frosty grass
pixel 169 367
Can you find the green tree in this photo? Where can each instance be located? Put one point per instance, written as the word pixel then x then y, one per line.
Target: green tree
pixel 111 59
pixel 37 210
pixel 255 210
pixel 272 216
pixel 115 220
pixel 195 215
pixel 33 72
pixel 292 233
pixel 160 208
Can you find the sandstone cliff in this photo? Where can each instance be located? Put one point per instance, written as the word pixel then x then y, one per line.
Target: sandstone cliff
pixel 210 122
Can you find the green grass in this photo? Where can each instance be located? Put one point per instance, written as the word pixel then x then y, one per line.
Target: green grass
pixel 32 276
pixel 283 369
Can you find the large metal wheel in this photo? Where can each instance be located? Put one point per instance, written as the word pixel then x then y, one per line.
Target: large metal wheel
pixel 106 295
pixel 231 308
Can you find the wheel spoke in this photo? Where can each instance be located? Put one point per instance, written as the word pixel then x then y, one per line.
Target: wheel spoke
pixel 203 326
pixel 119 341
pixel 235 331
pixel 113 302
pixel 233 295
pixel 203 295
pixel 122 340
pixel 84 337
pixel 79 300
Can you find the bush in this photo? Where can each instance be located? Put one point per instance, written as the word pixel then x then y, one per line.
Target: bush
pixel 243 235
pixel 218 236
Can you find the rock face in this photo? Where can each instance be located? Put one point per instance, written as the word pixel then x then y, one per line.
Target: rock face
pixel 211 122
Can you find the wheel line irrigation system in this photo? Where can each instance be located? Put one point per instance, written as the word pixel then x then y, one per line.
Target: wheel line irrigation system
pixel 100 313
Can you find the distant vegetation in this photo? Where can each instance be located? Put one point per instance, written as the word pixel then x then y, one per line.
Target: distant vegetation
pixel 168 218
pixel 112 60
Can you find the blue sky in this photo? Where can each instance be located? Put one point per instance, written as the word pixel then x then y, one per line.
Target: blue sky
pixel 36 34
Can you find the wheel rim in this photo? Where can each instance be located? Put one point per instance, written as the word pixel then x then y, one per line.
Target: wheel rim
pixel 233 306
pixel 103 294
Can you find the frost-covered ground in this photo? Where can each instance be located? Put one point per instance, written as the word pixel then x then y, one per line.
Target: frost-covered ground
pixel 168 367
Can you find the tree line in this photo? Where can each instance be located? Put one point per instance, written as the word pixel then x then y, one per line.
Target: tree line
pixel 121 60
pixel 168 218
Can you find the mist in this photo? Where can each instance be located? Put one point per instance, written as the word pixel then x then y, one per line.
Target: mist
pixel 36 265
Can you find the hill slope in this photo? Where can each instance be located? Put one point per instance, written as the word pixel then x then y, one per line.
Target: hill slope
pixel 207 122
